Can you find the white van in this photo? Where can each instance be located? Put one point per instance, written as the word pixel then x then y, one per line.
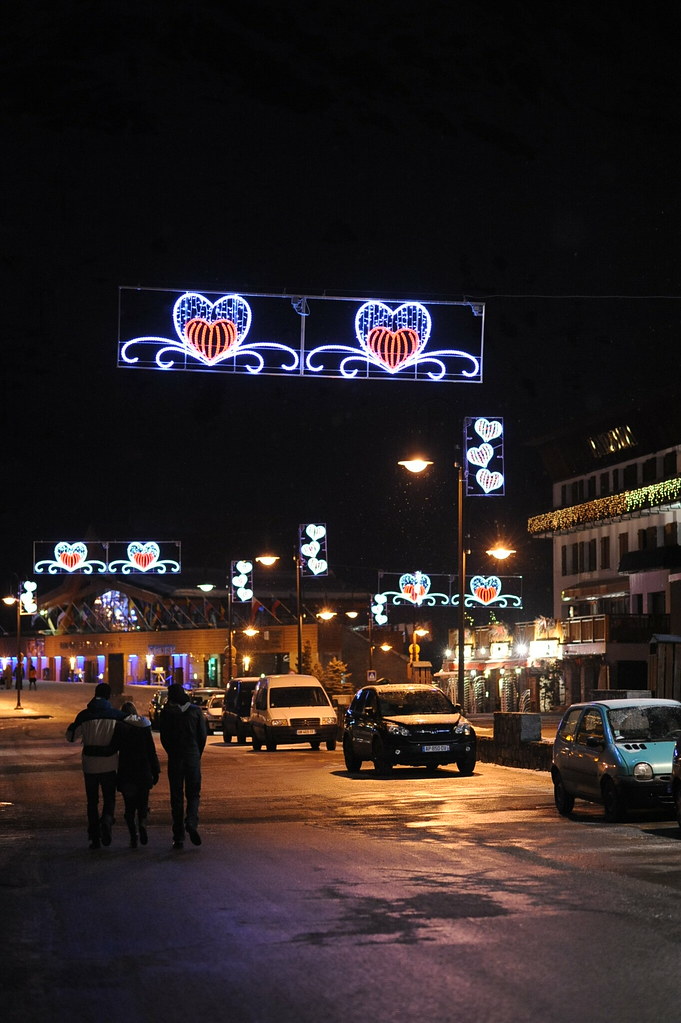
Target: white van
pixel 292 709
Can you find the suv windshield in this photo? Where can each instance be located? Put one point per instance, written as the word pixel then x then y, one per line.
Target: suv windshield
pixel 641 724
pixel 298 696
pixel 404 701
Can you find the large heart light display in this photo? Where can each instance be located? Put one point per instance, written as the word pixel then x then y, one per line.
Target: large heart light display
pixel 489 480
pixel 143 555
pixel 211 331
pixel 486 588
pixel 392 338
pixel 481 455
pixel 70 555
pixel 488 429
pixel 414 586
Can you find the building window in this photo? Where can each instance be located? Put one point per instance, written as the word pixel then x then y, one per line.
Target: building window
pixel 615 480
pixel 563 560
pixel 623 544
pixel 591 556
pixel 605 552
pixel 591 487
pixel 574 559
pixel 605 484
pixel 637 604
pixel 669 469
pixel 670 534
pixel 642 540
pixel 630 477
pixel 656 603
pixel 577 491
pixel 563 495
pixel 649 471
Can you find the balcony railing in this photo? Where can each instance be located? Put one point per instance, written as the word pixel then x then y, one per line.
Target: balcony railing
pixel 614 628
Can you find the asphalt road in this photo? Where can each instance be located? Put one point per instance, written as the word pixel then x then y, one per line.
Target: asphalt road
pixel 317 895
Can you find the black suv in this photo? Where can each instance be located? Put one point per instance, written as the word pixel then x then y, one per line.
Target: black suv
pixel 407 724
pixel 236 709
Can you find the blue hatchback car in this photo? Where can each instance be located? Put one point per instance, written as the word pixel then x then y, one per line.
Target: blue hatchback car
pixel 616 752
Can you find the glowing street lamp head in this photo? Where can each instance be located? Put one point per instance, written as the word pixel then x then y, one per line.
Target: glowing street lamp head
pixel 326 616
pixel 385 647
pixel 250 631
pixel 415 464
pixel 420 632
pixel 206 587
pixel 9 600
pixel 500 552
pixel 352 614
pixel 268 560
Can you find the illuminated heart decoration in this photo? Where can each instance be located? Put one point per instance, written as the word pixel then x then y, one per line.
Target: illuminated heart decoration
pixel 244 567
pixel 244 593
pixel 239 580
pixel 70 555
pixel 489 480
pixel 143 555
pixel 486 589
pixel 310 550
pixel 317 565
pixel 315 532
pixel 211 331
pixel 392 338
pixel 393 347
pixel 481 456
pixel 378 609
pixel 488 429
pixel 414 586
pixel 212 341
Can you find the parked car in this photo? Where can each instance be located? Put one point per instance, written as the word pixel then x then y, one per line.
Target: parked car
pixel 292 709
pixel 616 752
pixel 156 705
pixel 416 725
pixel 210 701
pixel 236 709
pixel 676 779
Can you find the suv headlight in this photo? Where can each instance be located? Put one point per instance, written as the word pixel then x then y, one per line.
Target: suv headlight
pixel 643 772
pixel 463 728
pixel 398 730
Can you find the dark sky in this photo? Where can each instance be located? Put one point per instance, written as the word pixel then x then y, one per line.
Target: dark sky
pixel 524 154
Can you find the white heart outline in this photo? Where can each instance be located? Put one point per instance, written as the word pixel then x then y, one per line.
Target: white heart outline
pixel 315 531
pixel 64 547
pixel 317 565
pixel 192 305
pixel 489 480
pixel 488 429
pixel 137 547
pixel 481 455
pixel 408 316
pixel 310 550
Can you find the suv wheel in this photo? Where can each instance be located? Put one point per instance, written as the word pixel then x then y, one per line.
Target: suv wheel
pixel 352 762
pixel 466 765
pixel 240 735
pixel 562 798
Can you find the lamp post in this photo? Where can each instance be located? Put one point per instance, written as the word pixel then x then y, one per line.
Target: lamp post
pixel 299 606
pixel 17 601
pixel 263 559
pixel 417 465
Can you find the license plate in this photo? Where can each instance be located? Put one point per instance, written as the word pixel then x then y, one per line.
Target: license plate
pixel 306 731
pixel 435 749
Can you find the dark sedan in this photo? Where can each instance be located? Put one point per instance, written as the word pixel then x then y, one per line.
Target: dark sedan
pixel 415 725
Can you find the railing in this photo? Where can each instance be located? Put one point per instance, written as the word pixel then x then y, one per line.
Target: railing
pixel 614 628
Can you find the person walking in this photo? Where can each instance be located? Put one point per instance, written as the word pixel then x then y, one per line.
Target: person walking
pixel 32 676
pixel 138 769
pixel 183 730
pixel 94 726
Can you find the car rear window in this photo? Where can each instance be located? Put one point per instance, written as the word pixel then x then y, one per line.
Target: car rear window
pixel 298 696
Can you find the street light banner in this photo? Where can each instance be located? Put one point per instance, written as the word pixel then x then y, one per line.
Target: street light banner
pixel 106 557
pixel 241 581
pixel 483 442
pixel 312 549
pixel 303 335
pixel 422 590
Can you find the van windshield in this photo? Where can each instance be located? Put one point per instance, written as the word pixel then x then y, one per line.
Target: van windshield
pixel 298 696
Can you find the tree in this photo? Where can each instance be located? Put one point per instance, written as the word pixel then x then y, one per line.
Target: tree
pixel 306 667
pixel 336 676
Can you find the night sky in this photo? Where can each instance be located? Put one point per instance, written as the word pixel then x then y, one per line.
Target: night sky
pixel 524 155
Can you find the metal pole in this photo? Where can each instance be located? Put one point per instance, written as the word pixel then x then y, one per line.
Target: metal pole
pixel 371 639
pixel 299 608
pixel 19 668
pixel 229 622
pixel 462 588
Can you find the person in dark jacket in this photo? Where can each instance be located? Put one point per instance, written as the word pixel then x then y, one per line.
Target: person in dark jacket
pixel 183 735
pixel 94 726
pixel 138 769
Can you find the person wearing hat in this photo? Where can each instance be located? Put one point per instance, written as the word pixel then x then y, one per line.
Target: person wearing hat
pixel 183 731
pixel 94 726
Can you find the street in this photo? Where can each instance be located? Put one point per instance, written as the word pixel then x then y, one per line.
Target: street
pixel 320 895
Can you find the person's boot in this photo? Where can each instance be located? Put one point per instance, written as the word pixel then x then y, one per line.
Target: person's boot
pixel 105 827
pixel 144 838
pixel 130 821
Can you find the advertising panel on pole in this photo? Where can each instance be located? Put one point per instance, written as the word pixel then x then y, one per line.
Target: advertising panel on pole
pixel 311 336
